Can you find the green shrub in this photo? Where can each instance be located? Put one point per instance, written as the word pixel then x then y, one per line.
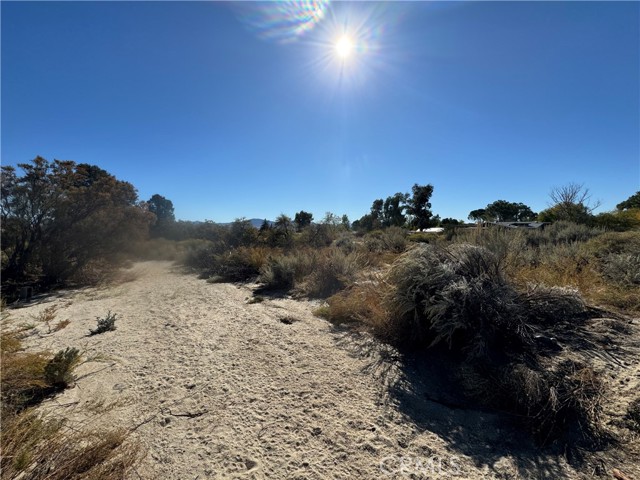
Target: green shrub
pixel 106 324
pixel 59 370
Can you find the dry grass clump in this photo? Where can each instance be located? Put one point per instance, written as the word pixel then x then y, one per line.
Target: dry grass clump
pixel 22 374
pixel 605 269
pixel 563 400
pixel 200 255
pixel 39 448
pixel 360 303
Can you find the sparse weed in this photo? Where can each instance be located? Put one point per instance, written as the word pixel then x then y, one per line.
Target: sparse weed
pixel 106 324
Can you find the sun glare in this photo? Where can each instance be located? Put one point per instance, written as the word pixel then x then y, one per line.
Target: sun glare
pixel 344 47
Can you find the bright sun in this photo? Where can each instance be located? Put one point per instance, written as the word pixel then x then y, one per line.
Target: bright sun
pixel 344 47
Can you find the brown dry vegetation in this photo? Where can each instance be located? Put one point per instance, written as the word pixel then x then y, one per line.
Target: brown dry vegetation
pixel 36 447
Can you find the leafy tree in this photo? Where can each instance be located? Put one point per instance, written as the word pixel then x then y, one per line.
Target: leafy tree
pixel 393 210
pixel 449 222
pixel 331 219
pixel 479 215
pixel 60 215
pixel 242 233
pixel 419 206
pixel 346 224
pixel 618 220
pixel 503 211
pixel 162 208
pixel 265 227
pixel 302 219
pixel 376 212
pixel 632 202
pixel 283 229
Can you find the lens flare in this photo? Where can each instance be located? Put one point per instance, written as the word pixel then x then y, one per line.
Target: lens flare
pixel 282 21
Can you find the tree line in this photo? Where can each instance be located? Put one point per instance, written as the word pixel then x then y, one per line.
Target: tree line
pixel 60 218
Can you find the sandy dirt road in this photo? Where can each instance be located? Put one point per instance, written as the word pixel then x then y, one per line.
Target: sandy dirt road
pixel 216 387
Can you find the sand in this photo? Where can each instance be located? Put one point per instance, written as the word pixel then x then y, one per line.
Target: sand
pixel 216 387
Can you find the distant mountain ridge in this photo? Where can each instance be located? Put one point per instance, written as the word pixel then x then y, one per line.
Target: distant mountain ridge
pixel 256 222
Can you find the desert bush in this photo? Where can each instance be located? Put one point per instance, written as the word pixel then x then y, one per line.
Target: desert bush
pixel 565 400
pixel 106 324
pixel 316 235
pixel 392 239
pixel 614 243
pixel 279 273
pixel 282 272
pixel 435 290
pixel 239 264
pixel 345 243
pixel 622 268
pixel 459 297
pixel 333 270
pixel 568 232
pixel 424 237
pixel 58 372
pixel 501 242
pixel 373 242
pixel 200 255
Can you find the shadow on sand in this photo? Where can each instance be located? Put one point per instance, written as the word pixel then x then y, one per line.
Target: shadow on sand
pixel 419 386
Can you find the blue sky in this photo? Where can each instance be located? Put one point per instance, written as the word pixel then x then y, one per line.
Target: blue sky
pixel 228 111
